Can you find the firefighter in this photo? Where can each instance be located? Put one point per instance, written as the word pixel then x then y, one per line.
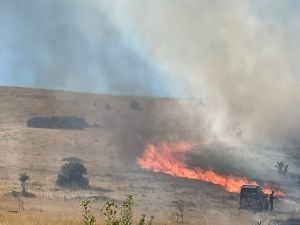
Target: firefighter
pixel 271 198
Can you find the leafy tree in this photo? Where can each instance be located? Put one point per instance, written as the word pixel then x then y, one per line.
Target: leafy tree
pixel 72 176
pixel 23 178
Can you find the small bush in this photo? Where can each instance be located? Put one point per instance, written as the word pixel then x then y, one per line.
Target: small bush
pixel 71 176
pixel 115 214
pixel 134 105
pixel 88 218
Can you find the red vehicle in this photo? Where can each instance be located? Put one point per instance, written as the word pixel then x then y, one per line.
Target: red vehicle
pixel 253 197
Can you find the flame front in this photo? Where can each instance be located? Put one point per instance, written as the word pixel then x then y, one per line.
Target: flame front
pixel 169 158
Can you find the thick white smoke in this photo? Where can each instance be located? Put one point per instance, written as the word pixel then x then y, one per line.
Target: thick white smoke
pixel 221 51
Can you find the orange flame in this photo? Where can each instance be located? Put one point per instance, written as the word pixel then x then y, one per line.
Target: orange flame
pixel 169 158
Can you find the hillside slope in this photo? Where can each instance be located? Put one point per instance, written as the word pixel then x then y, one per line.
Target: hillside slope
pixel 120 129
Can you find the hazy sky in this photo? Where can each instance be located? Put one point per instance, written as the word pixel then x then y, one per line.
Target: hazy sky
pixel 82 46
pixel 240 57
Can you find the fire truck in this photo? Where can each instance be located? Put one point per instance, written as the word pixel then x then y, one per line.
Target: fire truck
pixel 253 197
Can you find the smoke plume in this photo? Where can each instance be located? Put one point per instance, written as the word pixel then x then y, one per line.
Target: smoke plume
pixel 224 53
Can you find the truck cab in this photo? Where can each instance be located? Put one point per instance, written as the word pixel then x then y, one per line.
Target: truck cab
pixel 253 197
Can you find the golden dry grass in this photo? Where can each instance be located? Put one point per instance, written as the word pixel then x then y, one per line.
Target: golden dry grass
pixel 37 219
pixel 112 170
pixel 53 212
pixel 50 211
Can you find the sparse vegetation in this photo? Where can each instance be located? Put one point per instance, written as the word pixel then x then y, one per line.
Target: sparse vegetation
pixel 143 220
pixel 72 176
pixel 114 214
pixel 126 213
pixel 23 178
pixel 88 218
pixel 282 168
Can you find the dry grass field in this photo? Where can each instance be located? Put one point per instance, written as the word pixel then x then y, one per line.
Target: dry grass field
pixel 108 150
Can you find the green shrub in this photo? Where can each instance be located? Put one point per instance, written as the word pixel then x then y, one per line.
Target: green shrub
pixel 143 220
pixel 88 218
pixel 115 214
pixel 71 176
pixel 126 213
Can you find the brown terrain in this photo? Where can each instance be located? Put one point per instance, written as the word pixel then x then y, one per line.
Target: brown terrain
pixel 120 128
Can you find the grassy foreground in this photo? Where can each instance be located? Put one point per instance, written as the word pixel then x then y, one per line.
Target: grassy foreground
pixel 110 213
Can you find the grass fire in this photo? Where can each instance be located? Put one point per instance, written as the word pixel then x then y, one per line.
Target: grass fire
pixel 169 158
